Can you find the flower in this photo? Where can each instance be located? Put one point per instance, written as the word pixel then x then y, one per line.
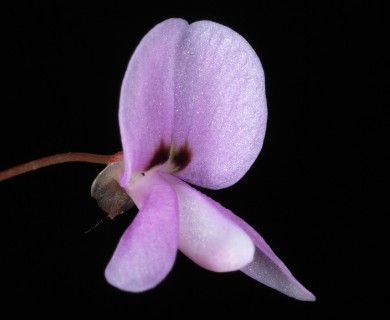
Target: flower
pixel 192 111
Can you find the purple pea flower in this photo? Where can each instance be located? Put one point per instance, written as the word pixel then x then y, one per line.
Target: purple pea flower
pixel 192 111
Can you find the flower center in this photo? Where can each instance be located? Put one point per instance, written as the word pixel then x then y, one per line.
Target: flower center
pixel 112 198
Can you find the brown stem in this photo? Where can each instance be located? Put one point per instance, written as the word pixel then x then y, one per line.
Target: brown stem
pixel 54 159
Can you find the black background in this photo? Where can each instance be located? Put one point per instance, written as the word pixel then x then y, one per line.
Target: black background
pixel 313 193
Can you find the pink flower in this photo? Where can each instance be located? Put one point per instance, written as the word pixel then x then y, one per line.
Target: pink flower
pixel 192 111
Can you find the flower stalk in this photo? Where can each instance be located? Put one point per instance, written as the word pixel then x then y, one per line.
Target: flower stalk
pixel 52 160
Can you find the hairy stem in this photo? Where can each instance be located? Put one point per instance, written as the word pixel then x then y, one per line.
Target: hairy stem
pixel 54 159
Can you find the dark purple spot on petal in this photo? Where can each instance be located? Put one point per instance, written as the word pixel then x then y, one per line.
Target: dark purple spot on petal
pixel 160 156
pixel 182 157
